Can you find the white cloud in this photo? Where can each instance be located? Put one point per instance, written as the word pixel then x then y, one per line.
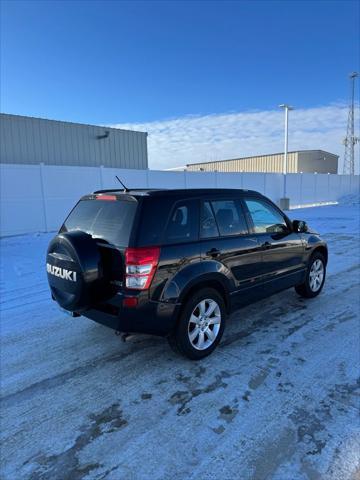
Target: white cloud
pixel 196 138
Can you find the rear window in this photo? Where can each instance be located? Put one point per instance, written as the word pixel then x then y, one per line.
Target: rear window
pixel 109 220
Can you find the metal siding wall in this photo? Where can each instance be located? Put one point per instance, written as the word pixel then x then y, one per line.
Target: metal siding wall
pixel 132 151
pixel 14 147
pixel 27 140
pixel 317 161
pixel 262 164
pixel 120 148
pixel 125 151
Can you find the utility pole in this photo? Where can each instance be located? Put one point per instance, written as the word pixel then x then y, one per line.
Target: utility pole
pixel 286 108
pixel 350 140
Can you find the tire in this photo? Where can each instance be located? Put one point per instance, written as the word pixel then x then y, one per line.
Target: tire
pixel 315 277
pixel 192 337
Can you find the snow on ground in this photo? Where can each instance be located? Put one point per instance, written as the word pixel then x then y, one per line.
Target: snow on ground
pixel 277 400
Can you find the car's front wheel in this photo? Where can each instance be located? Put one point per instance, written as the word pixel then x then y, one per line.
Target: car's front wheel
pixel 315 277
pixel 201 325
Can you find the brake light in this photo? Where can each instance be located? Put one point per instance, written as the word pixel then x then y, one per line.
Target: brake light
pixel 140 264
pixel 106 197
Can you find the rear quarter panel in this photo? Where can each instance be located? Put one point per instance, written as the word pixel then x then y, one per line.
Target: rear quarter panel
pixel 178 265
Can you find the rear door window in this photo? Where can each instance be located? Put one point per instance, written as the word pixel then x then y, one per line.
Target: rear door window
pixel 111 221
pixel 229 217
pixel 208 227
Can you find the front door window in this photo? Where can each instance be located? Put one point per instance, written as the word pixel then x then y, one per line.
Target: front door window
pixel 266 219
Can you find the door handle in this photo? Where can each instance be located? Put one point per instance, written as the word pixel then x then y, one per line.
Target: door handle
pixel 214 252
pixel 266 245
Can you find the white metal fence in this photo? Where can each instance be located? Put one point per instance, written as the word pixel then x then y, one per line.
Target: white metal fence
pixel 36 198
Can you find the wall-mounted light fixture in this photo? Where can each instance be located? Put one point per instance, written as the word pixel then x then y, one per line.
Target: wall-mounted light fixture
pixel 105 135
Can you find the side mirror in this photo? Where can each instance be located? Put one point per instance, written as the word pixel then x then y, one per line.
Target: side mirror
pixel 300 226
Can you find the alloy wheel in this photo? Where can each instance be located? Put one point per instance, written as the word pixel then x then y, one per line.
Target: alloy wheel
pixel 204 324
pixel 316 275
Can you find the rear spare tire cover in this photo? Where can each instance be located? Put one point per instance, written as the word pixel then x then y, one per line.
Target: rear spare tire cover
pixel 74 270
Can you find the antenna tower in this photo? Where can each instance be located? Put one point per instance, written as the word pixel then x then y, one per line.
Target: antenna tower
pixel 350 140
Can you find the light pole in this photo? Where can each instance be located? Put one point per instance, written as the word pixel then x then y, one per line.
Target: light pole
pixel 286 108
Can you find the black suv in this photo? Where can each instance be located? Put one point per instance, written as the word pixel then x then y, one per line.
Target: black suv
pixel 176 262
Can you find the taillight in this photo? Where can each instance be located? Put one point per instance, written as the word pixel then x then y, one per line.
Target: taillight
pixel 140 266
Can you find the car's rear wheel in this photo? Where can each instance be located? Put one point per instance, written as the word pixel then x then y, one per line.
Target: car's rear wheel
pixel 315 277
pixel 201 325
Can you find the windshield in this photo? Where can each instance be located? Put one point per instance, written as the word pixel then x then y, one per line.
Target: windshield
pixel 109 220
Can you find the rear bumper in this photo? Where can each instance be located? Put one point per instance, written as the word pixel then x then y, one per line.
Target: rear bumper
pixel 156 318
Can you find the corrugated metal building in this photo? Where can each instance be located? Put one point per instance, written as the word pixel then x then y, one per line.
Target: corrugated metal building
pixel 300 161
pixel 28 140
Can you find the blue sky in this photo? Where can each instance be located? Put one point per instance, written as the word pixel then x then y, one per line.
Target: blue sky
pixel 137 63
pixel 114 61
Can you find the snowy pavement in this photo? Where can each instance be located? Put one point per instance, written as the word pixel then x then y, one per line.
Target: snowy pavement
pixel 279 398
